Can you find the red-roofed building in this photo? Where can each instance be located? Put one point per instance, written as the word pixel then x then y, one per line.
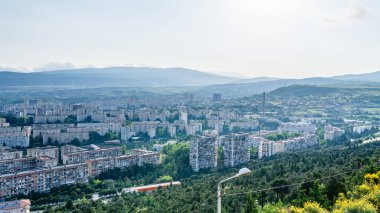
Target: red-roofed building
pixel 15 206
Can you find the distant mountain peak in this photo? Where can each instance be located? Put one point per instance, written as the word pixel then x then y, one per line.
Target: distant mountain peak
pixel 115 76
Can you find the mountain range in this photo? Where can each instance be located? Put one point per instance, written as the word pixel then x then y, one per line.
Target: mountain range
pixel 200 83
pixel 114 76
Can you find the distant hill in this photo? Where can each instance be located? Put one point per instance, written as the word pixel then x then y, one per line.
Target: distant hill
pixel 304 90
pixel 201 84
pixel 234 90
pixel 371 77
pixel 257 79
pixel 326 90
pixel 115 76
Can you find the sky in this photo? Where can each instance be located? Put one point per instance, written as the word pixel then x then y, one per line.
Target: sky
pixel 245 38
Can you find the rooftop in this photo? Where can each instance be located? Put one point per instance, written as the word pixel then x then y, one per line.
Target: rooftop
pixel 15 204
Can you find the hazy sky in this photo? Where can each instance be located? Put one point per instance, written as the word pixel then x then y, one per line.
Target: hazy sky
pixel 284 38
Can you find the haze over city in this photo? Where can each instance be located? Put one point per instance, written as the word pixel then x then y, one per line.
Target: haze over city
pixel 198 106
pixel 287 38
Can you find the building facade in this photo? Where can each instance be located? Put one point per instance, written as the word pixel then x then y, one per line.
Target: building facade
pixel 203 152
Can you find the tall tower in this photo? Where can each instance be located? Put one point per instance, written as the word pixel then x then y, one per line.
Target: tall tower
pixel 263 106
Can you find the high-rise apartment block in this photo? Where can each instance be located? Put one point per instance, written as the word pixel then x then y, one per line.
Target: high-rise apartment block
pixel 203 152
pixel 236 149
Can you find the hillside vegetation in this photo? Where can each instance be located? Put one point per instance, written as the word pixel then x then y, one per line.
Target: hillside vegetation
pixel 346 167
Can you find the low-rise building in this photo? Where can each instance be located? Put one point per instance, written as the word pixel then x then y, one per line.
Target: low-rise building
pixel 152 187
pixel 15 206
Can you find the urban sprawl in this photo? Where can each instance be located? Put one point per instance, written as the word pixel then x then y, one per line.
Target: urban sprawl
pixel 61 143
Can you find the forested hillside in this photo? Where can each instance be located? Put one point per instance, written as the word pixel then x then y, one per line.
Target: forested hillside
pixel 321 175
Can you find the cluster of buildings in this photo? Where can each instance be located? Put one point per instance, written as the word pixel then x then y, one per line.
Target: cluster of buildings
pixel 268 148
pixel 66 133
pixel 40 170
pixel 214 125
pixel 204 150
pixel 54 121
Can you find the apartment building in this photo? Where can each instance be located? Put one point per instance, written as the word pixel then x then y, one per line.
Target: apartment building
pixel 48 151
pixel 7 153
pixel 300 127
pixel 17 165
pixel 301 142
pixel 331 133
pixel 172 130
pixel 70 149
pixel 41 180
pixel 269 148
pixel 143 126
pixel 203 152
pixel 45 119
pixel 126 133
pixel 108 117
pixel 99 165
pixel 15 136
pixel 41 174
pixel 15 206
pixel 83 156
pixel 362 128
pixel 40 129
pixel 236 149
pixel 46 162
pixel 245 125
pixel 255 140
pixel 193 128
pixel 3 122
pixel 101 128
pixel 64 137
